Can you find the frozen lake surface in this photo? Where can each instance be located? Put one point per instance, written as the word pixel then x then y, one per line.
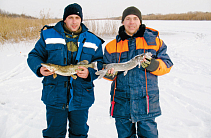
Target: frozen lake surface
pixel 185 92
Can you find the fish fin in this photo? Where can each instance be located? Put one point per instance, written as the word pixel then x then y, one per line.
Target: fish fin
pixel 101 73
pixel 73 76
pixel 125 73
pixel 54 75
pixel 83 62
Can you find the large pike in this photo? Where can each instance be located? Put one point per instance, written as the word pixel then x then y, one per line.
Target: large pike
pixel 68 70
pixel 125 66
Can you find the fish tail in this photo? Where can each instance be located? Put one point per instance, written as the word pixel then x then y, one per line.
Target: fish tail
pixel 94 65
pixel 101 73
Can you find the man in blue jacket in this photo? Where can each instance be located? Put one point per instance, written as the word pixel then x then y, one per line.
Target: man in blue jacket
pixel 68 42
pixel 135 96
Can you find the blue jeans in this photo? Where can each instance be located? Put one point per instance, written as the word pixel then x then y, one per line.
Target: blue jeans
pixel 57 123
pixel 143 129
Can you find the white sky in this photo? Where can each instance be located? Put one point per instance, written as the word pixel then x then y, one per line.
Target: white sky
pixel 103 8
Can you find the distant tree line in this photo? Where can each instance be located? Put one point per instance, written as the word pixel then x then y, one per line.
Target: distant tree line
pixel 15 27
pixel 7 14
pixel 181 16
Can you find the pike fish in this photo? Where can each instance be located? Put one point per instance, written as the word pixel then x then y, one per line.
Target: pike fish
pixel 68 70
pixel 125 66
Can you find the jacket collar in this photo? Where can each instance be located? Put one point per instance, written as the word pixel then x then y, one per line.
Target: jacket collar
pixel 123 35
pixel 59 27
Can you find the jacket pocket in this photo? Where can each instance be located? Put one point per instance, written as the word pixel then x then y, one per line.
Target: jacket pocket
pixel 87 54
pixel 121 108
pixel 49 93
pixel 88 93
pixel 154 105
pixel 139 106
pixel 55 53
pixel 83 95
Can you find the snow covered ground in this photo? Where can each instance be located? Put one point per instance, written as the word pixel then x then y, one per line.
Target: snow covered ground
pixel 185 93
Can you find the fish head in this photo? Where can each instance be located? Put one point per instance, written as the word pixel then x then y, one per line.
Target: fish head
pixel 50 67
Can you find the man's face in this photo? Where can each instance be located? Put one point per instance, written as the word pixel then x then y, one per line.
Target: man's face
pixel 73 22
pixel 132 24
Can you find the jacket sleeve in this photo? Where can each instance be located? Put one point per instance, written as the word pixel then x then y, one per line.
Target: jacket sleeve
pixel 37 56
pixel 98 57
pixel 107 59
pixel 165 63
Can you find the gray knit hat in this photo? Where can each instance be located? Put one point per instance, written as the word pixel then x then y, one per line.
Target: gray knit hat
pixel 131 10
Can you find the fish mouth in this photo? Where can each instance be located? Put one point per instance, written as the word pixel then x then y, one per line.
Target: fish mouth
pixel 44 65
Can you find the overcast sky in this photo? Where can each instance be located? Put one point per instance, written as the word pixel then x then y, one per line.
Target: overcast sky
pixel 103 8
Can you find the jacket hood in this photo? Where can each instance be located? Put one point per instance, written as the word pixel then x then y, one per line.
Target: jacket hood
pixel 123 35
pixel 151 31
pixel 143 31
pixel 149 34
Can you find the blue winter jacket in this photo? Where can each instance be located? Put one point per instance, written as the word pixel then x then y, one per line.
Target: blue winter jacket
pixel 51 48
pixel 130 92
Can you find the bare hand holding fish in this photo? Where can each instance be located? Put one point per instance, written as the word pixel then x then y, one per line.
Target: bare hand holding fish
pixel 45 72
pixel 84 73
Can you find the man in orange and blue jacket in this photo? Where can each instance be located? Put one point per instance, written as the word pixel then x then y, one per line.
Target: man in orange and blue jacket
pixel 135 97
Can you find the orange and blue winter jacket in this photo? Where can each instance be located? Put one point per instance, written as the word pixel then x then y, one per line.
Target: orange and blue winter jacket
pixel 129 92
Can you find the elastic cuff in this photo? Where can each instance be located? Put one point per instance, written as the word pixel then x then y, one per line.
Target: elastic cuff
pixel 88 78
pixel 38 72
pixel 109 77
pixel 153 65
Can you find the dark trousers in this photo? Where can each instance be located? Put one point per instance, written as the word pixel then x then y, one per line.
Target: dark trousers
pixel 57 123
pixel 143 129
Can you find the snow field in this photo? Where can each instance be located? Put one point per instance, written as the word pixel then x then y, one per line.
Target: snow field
pixel 185 92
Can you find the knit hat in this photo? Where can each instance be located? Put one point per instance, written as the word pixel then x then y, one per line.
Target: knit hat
pixel 131 10
pixel 73 9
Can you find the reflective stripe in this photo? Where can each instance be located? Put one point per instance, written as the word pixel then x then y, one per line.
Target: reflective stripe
pixel 90 45
pixel 55 41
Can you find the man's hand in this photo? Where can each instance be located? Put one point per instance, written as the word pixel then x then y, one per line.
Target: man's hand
pixel 111 71
pixel 146 61
pixel 84 73
pixel 45 72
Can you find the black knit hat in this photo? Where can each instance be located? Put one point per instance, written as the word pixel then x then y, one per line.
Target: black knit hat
pixel 131 10
pixel 73 9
